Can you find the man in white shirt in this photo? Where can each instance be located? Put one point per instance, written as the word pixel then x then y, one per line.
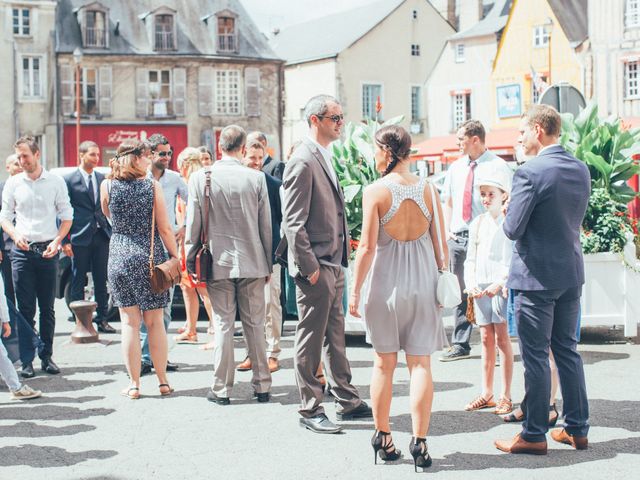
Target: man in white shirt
pixel 36 199
pixel 462 205
pixel 173 186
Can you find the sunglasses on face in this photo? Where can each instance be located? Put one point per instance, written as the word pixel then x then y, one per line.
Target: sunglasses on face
pixel 333 118
pixel 164 154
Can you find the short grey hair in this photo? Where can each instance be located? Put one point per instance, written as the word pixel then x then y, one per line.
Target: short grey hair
pixel 259 136
pixel 232 138
pixel 318 105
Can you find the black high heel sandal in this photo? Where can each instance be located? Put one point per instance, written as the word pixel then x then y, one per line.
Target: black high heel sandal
pixel 553 420
pixel 421 457
pixel 513 418
pixel 387 452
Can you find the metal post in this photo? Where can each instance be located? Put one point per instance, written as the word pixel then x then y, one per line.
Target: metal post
pixel 78 113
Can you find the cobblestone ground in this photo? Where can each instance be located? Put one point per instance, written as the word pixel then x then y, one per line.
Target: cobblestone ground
pixel 83 428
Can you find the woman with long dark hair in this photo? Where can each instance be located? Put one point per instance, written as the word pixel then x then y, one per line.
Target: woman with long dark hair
pixel 400 246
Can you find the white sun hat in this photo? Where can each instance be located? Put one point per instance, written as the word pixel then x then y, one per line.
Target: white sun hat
pixel 495 178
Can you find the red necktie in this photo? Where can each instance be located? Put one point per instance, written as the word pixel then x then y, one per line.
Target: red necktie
pixel 467 199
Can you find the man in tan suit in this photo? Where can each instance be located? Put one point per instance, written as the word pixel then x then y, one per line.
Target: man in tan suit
pixel 239 236
pixel 316 231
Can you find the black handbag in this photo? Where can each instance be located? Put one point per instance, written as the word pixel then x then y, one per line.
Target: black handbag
pixel 200 259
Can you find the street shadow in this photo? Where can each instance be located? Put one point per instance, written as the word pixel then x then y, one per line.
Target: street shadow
pixel 61 383
pixel 590 357
pixel 38 456
pixel 35 430
pixel 53 412
pixel 46 399
pixel 105 369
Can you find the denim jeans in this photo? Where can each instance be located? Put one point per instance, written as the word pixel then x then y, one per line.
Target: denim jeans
pixel 7 371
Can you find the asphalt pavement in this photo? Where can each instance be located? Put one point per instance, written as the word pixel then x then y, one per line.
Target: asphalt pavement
pixel 83 429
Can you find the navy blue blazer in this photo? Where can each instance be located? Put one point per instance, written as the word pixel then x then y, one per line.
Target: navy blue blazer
pixel 86 214
pixel 273 189
pixel 273 167
pixel 548 201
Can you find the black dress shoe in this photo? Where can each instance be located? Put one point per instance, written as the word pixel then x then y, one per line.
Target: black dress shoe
pixel 262 397
pixel 171 367
pixel 212 397
pixel 104 327
pixel 145 368
pixel 49 366
pixel 361 411
pixel 320 424
pixel 27 370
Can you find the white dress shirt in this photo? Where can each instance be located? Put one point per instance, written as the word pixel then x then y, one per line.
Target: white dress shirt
pixel 548 147
pixel 488 253
pixel 456 179
pixel 35 205
pixel 327 156
pixel 85 177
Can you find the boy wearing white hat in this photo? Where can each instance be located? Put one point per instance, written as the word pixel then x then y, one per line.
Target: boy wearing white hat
pixel 486 269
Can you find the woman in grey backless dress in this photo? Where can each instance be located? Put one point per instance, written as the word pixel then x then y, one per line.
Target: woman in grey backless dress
pixel 127 197
pixel 399 245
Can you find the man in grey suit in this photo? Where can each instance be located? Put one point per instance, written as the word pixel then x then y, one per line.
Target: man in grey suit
pixel 548 202
pixel 239 236
pixel 316 231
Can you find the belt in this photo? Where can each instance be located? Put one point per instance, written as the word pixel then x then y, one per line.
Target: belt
pixel 39 247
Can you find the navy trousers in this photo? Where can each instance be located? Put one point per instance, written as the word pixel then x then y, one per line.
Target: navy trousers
pixel 91 258
pixel 548 319
pixel 462 329
pixel 34 279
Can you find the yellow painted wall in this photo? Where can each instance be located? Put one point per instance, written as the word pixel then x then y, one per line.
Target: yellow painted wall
pixel 516 56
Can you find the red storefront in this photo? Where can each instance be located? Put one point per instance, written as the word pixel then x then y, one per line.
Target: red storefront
pixel 109 136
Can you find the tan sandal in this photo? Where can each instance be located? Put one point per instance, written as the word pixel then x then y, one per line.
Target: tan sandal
pixel 131 392
pixel 504 406
pixel 187 338
pixel 479 403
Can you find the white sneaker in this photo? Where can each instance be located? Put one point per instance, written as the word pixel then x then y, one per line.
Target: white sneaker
pixel 25 393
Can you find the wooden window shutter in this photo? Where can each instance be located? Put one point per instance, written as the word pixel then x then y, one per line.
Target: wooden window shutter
pixel 142 92
pixel 180 91
pixel 252 91
pixel 105 91
pixel 66 90
pixel 205 91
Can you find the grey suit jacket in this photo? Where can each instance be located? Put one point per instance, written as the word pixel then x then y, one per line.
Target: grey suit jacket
pixel 313 219
pixel 548 201
pixel 239 219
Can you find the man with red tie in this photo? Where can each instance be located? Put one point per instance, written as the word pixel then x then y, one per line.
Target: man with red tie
pixel 462 205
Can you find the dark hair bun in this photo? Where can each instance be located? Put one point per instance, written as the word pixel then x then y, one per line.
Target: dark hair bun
pixel 397 141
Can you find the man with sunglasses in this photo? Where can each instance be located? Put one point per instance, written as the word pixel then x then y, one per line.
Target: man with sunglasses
pixel 173 186
pixel 318 248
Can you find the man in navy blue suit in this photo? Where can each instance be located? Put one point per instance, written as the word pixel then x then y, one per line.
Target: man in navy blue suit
pixel 88 240
pixel 548 201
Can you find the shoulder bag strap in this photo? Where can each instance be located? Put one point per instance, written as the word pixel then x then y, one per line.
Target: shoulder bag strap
pixel 207 198
pixel 153 224
pixel 436 218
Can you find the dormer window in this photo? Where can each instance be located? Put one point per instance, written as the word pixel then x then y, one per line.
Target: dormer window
pixel 164 32
pixel 95 29
pixel 21 21
pixel 227 34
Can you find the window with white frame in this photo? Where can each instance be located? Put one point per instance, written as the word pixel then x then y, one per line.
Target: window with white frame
pixel 632 88
pixel 227 34
pixel 33 77
pixel 540 36
pixel 415 50
pixel 538 90
pixel 89 85
pixel 370 95
pixel 461 109
pixel 95 31
pixel 21 21
pixel 632 13
pixel 459 53
pixel 227 92
pixel 416 94
pixel 164 33
pixel 160 93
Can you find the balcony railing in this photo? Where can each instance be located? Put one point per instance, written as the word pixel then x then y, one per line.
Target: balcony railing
pixel 95 37
pixel 164 41
pixel 227 43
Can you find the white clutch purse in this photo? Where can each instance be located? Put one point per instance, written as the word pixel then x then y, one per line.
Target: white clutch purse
pixel 448 290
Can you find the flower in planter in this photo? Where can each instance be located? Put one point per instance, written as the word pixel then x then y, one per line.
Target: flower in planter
pixel 605 225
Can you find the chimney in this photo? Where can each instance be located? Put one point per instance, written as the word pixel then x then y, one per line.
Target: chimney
pixel 451 13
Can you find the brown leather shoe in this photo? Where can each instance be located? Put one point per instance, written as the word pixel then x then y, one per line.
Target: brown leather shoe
pixel 560 435
pixel 274 366
pixel 519 445
pixel 244 366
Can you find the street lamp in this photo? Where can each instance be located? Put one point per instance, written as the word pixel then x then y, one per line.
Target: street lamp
pixel 77 59
pixel 548 27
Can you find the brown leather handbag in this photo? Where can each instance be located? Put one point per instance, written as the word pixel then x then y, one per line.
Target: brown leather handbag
pixel 200 259
pixel 167 274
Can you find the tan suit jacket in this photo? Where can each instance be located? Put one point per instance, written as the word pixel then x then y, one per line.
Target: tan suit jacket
pixel 313 219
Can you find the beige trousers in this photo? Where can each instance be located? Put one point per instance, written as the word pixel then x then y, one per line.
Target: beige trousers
pixel 273 322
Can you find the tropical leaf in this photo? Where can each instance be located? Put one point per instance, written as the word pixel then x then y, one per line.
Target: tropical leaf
pixel 351 191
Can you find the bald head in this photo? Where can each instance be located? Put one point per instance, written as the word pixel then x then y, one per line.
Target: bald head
pixel 12 164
